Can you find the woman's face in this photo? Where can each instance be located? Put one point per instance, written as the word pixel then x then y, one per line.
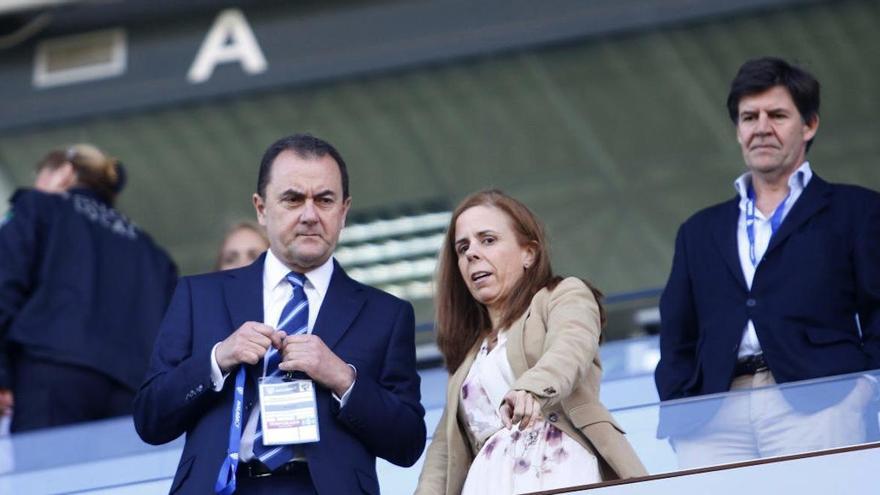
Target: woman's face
pixel 241 248
pixel 490 258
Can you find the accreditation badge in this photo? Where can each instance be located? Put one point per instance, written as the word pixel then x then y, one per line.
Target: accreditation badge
pixel 288 411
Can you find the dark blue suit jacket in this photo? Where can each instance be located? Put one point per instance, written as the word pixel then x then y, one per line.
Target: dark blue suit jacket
pixel 365 327
pixel 820 272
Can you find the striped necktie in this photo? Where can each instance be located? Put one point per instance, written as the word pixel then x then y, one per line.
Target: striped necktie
pixel 294 320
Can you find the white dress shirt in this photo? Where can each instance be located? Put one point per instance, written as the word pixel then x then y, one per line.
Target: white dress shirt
pixel 749 345
pixel 276 292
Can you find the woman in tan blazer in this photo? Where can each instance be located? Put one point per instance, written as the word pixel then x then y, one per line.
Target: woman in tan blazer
pixel 521 345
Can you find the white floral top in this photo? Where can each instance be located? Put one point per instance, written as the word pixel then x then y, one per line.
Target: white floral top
pixel 541 457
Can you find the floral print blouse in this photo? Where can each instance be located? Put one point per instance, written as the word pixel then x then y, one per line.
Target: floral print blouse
pixel 540 457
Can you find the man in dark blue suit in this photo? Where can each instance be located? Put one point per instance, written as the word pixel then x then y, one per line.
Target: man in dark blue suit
pixel 358 350
pixel 780 283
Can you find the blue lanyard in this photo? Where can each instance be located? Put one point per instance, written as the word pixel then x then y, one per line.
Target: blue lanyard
pixel 226 479
pixel 775 221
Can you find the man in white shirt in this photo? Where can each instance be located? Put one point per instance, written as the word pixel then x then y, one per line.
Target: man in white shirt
pixel 779 284
pixel 293 311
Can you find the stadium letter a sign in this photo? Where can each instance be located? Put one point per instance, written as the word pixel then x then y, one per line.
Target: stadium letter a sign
pixel 229 40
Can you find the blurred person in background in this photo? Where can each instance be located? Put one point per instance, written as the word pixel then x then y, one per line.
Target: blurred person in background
pixel 53 174
pixel 521 344
pixel 778 284
pixel 243 243
pixel 82 293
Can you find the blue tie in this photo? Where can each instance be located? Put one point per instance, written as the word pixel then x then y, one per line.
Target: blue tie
pixel 294 320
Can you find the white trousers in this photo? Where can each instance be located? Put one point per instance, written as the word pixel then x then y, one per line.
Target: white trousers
pixel 761 424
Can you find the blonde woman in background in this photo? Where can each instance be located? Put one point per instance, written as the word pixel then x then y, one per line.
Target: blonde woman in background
pixel 243 243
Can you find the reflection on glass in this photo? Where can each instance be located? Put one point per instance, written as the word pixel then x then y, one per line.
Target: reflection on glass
pixel 756 419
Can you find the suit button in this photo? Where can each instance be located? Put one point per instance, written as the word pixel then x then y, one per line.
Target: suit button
pixel 553 417
pixel 751 302
pixel 550 391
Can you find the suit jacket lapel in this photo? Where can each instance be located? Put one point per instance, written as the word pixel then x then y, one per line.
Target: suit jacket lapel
pixel 243 292
pixel 341 305
pixel 725 236
pixel 816 196
pixel 453 392
pixel 456 380
pixel 516 353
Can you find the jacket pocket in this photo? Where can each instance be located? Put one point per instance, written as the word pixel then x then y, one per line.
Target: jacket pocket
pixel 825 336
pixel 693 382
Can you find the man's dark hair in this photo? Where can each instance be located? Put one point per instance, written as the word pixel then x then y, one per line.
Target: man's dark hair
pixel 760 74
pixel 305 146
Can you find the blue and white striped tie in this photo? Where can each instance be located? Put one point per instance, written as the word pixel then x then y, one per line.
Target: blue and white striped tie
pixel 294 320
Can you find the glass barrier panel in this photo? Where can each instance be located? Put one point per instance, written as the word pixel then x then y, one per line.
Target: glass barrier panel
pixel 745 424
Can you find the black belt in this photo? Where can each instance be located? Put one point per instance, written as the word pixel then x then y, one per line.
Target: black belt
pixel 256 469
pixel 750 365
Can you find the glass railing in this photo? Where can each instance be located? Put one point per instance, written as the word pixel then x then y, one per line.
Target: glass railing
pixel 766 422
pixel 755 423
pixel 843 471
pixel 102 455
pixel 701 432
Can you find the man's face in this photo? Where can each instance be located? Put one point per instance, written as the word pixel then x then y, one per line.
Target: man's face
pixel 771 132
pixel 303 210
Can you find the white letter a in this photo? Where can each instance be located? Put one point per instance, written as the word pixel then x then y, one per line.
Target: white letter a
pixel 229 40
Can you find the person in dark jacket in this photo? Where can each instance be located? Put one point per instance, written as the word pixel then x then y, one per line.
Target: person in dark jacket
pixel 82 293
pixel 352 346
pixel 780 283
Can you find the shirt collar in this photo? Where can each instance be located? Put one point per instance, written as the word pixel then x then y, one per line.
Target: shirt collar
pixel 275 273
pixel 797 181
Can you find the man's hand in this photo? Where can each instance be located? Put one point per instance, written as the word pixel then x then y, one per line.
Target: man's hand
pixel 7 402
pixel 247 345
pixel 520 407
pixel 309 354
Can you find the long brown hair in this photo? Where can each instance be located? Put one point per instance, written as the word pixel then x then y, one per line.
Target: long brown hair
pixel 462 321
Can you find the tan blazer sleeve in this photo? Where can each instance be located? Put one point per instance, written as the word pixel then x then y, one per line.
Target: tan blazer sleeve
pixel 432 480
pixel 571 316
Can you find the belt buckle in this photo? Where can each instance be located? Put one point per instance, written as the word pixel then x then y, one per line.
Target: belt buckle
pixel 262 473
pixel 755 363
pixel 751 365
pixel 760 363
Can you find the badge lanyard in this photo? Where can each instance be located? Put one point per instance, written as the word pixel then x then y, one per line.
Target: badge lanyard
pixel 226 479
pixel 775 221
